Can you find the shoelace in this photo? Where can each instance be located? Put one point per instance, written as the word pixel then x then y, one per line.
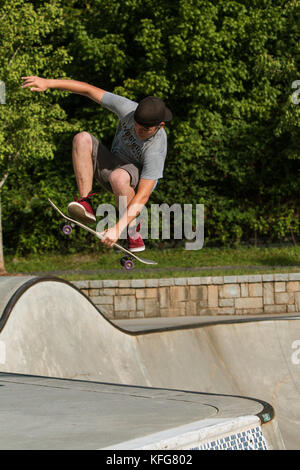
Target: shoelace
pixel 84 198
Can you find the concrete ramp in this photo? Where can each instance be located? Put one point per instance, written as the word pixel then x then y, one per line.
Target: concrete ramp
pixel 47 413
pixel 49 328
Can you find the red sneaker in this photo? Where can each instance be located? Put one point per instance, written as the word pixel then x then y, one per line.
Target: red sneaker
pixel 134 239
pixel 135 243
pixel 81 210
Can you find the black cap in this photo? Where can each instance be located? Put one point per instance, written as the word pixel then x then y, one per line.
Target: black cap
pixel 151 111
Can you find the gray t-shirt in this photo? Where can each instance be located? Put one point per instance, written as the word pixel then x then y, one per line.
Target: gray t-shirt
pixel 148 155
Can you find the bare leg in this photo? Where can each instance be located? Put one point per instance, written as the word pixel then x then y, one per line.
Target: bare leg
pixel 120 182
pixel 82 162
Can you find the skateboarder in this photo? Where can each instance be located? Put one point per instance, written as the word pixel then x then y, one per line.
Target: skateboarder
pixel 132 167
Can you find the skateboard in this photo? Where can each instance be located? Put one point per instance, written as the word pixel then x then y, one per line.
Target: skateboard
pixel 127 260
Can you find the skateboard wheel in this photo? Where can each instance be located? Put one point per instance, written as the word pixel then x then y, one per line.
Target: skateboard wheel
pixel 122 260
pixel 67 229
pixel 127 263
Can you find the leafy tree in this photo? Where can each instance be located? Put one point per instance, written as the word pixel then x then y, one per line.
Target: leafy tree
pixel 225 69
pixel 25 119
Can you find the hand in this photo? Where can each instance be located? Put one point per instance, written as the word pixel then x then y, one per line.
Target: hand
pixel 110 236
pixel 36 83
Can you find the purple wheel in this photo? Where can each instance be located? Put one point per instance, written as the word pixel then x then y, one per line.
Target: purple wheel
pixel 128 265
pixel 67 229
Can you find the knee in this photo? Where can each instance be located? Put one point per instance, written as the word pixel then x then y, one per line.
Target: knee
pixel 119 180
pixel 82 139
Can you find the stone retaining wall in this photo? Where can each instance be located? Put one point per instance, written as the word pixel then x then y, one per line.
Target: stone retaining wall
pixel 145 298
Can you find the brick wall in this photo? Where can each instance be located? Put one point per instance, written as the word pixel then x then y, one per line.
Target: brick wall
pixel 250 294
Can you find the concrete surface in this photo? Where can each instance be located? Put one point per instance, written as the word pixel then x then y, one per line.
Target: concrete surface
pixel 48 328
pixel 43 413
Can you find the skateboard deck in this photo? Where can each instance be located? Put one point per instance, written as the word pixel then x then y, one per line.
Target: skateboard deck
pixel 126 261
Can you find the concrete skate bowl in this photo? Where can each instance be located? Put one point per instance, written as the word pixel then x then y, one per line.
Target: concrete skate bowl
pixel 49 328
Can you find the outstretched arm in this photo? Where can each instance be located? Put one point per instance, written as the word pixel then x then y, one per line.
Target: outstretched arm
pixel 81 88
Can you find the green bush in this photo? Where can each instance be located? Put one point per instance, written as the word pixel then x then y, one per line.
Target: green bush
pixel 226 70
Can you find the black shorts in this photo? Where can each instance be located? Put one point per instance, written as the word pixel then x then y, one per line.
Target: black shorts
pixel 104 162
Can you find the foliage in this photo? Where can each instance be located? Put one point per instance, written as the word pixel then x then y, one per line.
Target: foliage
pixel 30 126
pixel 226 70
